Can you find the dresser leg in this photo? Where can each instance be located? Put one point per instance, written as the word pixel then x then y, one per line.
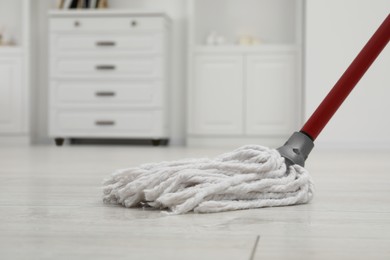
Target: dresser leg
pixel 59 141
pixel 156 142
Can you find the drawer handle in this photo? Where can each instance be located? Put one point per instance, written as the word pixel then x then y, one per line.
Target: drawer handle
pixel 104 122
pixel 134 23
pixel 105 94
pixel 105 43
pixel 105 67
pixel 77 24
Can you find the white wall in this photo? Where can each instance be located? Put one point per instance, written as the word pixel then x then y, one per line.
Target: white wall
pixel 176 9
pixel 335 32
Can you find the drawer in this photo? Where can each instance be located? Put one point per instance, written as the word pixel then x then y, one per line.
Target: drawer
pixel 131 124
pixel 130 93
pixel 91 24
pixel 131 66
pixel 107 43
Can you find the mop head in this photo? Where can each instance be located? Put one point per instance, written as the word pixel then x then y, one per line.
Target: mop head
pixel 249 177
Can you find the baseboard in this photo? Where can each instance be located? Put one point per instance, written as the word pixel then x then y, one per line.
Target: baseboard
pixel 14 140
pixel 177 142
pixel 358 146
pixel 234 142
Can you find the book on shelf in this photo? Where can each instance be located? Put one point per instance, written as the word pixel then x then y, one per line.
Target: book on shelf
pixel 86 4
pixel 101 4
pixel 73 4
pixel 92 4
pixel 66 4
pixel 82 4
pixel 61 4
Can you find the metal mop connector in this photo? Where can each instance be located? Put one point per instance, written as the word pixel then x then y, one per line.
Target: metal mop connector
pixel 296 149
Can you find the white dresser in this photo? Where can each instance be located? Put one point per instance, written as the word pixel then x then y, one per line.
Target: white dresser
pixel 108 75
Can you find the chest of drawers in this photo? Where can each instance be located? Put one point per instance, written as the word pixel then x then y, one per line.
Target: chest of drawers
pixel 108 75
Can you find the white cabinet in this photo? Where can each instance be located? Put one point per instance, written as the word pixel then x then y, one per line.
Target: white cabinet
pixel 109 75
pixel 217 94
pixel 11 96
pixel 244 71
pixel 247 95
pixel 15 82
pixel 270 94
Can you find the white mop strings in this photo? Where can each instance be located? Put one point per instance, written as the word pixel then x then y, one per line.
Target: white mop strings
pixel 251 176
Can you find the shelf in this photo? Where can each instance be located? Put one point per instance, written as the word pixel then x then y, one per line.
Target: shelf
pixel 267 20
pixel 246 49
pixel 11 50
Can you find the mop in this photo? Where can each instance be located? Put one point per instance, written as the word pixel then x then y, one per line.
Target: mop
pixel 249 177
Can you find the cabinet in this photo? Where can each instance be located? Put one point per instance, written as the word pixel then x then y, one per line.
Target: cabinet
pixel 244 91
pixel 14 72
pixel 216 100
pixel 243 94
pixel 270 94
pixel 11 95
pixel 109 75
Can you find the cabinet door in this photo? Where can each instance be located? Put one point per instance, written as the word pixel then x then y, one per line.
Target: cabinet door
pixel 271 95
pixel 216 95
pixel 10 96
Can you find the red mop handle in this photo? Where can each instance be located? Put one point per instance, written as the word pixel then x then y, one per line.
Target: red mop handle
pixel 348 81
